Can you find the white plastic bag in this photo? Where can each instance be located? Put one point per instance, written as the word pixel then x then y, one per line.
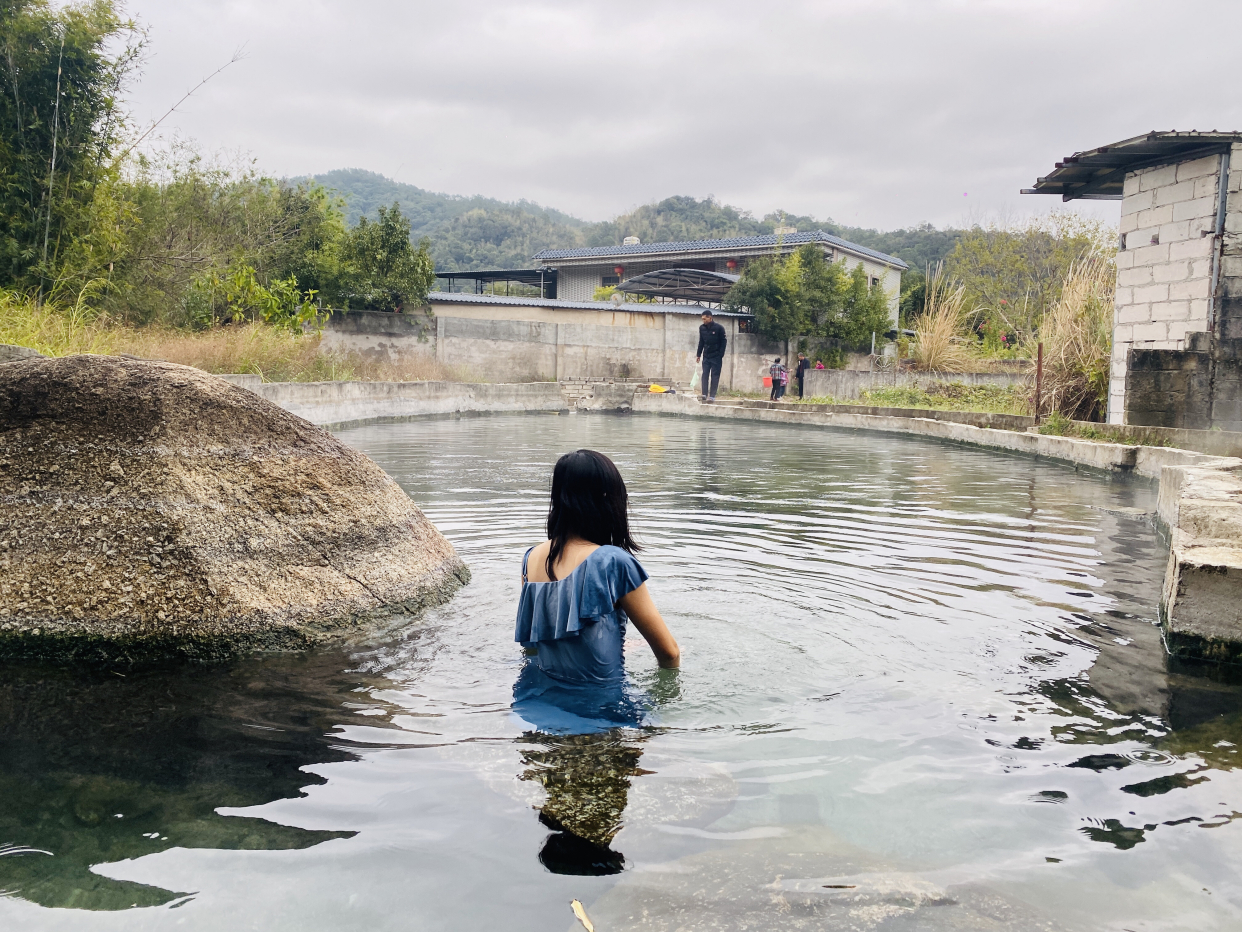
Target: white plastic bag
pixel 694 379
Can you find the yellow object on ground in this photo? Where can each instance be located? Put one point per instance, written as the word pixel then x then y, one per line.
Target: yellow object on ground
pixel 656 389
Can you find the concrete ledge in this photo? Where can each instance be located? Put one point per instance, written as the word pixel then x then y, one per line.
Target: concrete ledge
pixel 1211 442
pixel 338 404
pixel 1107 457
pixel 1201 604
pixel 975 418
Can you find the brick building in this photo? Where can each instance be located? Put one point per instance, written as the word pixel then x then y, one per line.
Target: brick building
pixel 1177 326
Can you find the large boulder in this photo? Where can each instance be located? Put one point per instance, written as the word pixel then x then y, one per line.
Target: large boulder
pixel 150 509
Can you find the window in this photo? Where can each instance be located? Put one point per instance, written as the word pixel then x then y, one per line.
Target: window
pixel 872 281
pixel 609 280
pixel 745 325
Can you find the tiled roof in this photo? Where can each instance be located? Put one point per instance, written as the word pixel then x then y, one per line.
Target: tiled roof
pixel 738 242
pixel 448 297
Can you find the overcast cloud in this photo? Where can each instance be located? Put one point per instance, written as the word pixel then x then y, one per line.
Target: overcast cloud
pixel 883 113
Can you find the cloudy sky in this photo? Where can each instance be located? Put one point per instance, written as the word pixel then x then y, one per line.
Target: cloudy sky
pixel 879 113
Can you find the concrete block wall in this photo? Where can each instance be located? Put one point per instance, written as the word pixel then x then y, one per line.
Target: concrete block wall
pixel 1184 349
pixel 524 343
pixel 847 384
pixel 1164 271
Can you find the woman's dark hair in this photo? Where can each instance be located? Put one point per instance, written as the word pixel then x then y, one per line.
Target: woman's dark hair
pixel 588 501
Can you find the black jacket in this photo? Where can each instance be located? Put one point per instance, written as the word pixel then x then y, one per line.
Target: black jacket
pixel 712 341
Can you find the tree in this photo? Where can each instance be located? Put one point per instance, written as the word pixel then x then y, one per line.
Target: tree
pixel 61 73
pixel 864 310
pixel 804 294
pixel 764 289
pixel 383 270
pixel 189 222
pixel 1016 272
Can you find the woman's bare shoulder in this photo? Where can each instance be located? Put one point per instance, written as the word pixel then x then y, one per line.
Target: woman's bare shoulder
pixel 536 570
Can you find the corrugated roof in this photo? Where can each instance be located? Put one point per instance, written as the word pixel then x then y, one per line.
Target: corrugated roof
pixel 447 297
pixel 739 242
pixel 1099 174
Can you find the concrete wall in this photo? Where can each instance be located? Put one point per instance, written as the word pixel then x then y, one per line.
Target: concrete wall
pixel 514 342
pixel 339 403
pixel 845 383
pixel 1164 271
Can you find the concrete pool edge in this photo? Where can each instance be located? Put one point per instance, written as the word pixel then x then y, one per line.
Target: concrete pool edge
pixel 351 404
pixel 1200 495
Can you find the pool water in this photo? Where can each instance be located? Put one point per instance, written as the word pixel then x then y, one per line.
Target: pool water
pixel 921 689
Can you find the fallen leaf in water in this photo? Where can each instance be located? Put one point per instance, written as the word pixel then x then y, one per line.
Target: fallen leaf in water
pixel 582 916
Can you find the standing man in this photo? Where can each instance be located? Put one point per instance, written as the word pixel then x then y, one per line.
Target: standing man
pixel 711 351
pixel 803 365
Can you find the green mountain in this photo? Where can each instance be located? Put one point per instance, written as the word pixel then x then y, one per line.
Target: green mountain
pixel 484 233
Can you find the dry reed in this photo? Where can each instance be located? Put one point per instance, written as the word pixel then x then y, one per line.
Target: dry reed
pixel 940 343
pixel 1077 334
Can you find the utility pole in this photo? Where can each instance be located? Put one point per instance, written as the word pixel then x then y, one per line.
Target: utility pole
pixel 1039 380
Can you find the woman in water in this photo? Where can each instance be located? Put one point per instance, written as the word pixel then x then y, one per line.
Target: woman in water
pixel 579 588
pixel 581 585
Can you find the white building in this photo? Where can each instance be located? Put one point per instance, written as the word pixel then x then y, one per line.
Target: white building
pixel 580 271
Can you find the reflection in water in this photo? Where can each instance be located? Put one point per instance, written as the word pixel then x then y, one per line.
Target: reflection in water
pixel 100 767
pixel 583 753
pixel 587 781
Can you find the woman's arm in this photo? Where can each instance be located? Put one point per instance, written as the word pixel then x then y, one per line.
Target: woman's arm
pixel 641 609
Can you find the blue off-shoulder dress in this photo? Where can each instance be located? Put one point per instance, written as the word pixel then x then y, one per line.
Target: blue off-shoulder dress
pixel 574 623
pixel 575 682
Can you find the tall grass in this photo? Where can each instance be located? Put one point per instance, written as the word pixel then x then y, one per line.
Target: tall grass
pixel 54 331
pixel 1077 334
pixel 940 344
pixel 952 396
pixel 274 354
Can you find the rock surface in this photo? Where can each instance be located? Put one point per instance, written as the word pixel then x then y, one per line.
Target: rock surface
pixel 150 509
pixel 11 353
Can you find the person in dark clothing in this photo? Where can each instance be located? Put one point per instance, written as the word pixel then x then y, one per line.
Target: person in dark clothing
pixel 803 365
pixel 712 341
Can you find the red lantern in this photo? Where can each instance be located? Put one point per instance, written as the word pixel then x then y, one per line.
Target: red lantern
pixel 619 269
pixel 731 264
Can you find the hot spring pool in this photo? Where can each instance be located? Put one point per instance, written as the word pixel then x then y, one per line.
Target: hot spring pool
pixel 921 689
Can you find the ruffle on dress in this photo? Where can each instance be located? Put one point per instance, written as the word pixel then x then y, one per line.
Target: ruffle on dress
pixel 551 611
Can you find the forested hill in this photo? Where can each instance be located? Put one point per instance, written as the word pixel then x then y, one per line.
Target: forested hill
pixel 483 233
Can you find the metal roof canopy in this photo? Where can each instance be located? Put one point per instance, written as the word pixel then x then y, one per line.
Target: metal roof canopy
pixel 692 285
pixel 541 277
pixel 721 246
pixel 1098 174
pixel 524 276
pixel 457 297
